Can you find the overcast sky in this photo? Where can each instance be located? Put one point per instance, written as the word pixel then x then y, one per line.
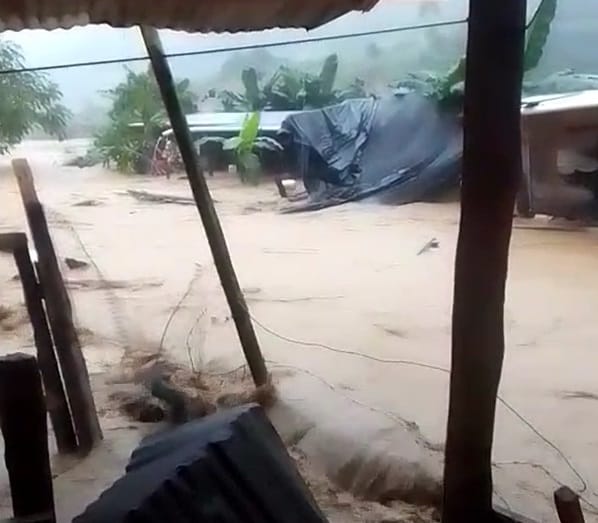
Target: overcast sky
pixel 103 42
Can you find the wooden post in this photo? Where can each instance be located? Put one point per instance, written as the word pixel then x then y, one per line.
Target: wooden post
pixel 55 396
pixel 490 180
pixel 59 309
pixel 525 196
pixel 567 506
pixel 23 422
pixel 205 206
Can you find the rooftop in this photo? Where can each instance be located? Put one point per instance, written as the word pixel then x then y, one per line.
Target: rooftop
pixel 188 15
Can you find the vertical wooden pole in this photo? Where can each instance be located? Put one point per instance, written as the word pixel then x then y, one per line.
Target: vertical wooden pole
pixel 490 180
pixel 567 506
pixel 205 206
pixel 524 203
pixel 59 309
pixel 23 422
pixel 55 395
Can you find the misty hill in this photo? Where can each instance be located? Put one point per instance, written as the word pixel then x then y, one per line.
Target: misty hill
pixel 377 59
pixel 104 43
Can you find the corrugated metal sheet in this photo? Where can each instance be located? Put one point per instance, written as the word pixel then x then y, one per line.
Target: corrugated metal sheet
pixel 227 123
pixel 188 15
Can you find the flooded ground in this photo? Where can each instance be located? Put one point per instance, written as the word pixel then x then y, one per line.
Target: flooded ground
pixel 353 319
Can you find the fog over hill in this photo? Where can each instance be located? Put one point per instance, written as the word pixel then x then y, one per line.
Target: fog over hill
pixel 377 59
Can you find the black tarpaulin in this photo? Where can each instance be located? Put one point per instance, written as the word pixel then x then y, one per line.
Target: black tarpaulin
pixel 400 149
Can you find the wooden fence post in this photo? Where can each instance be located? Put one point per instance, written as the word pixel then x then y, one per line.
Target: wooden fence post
pixel 23 422
pixel 59 309
pixel 205 206
pixel 489 183
pixel 567 506
pixel 55 395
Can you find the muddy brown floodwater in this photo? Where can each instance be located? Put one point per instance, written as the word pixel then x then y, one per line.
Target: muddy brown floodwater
pixel 354 322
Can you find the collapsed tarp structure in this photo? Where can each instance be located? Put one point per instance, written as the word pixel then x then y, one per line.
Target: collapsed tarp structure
pixel 400 149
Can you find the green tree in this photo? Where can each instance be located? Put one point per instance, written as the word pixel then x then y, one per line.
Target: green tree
pixel 29 100
pixel 136 119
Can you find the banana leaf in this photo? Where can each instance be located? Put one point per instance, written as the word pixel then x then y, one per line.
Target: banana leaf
pixel 250 129
pixel 231 144
pixel 252 89
pixel 211 140
pixel 265 143
pixel 537 34
pixel 328 74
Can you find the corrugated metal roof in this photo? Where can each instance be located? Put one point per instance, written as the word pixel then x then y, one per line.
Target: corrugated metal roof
pixel 188 15
pixel 560 102
pixel 270 121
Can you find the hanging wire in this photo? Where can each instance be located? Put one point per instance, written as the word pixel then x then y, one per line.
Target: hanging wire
pixel 247 47
pixel 264 45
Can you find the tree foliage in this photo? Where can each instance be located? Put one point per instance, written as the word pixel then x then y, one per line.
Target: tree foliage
pixel 448 88
pixel 136 100
pixel 28 100
pixel 445 88
pixel 289 89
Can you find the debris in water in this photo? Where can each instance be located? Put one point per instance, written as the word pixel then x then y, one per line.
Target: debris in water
pixel 432 244
pixel 139 405
pixel 87 203
pixel 182 407
pixel 145 196
pixel 73 263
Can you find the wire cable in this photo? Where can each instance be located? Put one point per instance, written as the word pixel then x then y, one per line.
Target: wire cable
pixel 505 403
pixel 247 47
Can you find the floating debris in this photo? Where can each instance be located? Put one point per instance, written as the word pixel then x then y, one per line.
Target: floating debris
pixel 432 244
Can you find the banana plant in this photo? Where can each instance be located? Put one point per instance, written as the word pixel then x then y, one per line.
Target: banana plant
pixel 448 88
pixel 287 90
pixel 243 147
pixel 253 95
pixel 283 90
pixel 327 76
pixel 355 89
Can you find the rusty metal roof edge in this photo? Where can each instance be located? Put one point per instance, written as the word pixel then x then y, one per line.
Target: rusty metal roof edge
pixel 187 15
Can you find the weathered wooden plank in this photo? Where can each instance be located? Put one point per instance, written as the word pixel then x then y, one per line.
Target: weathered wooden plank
pixel 23 423
pixel 567 506
pixel 59 310
pixel 56 401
